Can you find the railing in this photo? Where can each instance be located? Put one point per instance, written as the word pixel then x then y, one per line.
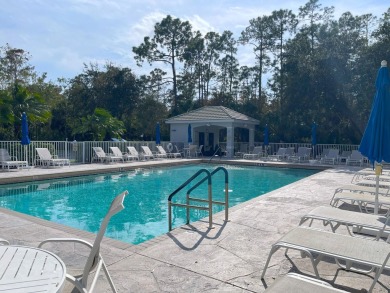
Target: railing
pixel 209 208
pixel 272 148
pixel 225 203
pixel 76 151
pixel 209 200
pixel 81 152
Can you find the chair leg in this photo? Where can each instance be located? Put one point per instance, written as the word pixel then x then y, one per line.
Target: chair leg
pixel 109 278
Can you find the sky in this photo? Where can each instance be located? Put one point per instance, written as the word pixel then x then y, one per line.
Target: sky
pixel 63 35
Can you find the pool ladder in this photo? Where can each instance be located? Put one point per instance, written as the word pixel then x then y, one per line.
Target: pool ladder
pixel 209 199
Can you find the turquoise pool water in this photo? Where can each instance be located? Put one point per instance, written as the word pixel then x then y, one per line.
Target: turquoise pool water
pixel 82 202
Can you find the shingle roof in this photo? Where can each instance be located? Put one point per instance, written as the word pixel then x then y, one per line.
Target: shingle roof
pixel 208 113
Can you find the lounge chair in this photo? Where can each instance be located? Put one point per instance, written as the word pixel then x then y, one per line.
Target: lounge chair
pixel 355 158
pixel 336 217
pixel 133 152
pixel 161 152
pixel 363 200
pixel 255 154
pixel 147 153
pixel 47 160
pixel 295 283
pixel 354 251
pixel 168 155
pixel 344 156
pixel 7 161
pixel 95 260
pixel 331 157
pixel 303 154
pixel 118 153
pixel 101 156
pixel 279 155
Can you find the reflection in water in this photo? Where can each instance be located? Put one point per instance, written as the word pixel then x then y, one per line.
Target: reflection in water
pixel 82 202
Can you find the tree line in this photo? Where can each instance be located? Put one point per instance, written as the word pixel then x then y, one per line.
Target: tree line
pixel 307 67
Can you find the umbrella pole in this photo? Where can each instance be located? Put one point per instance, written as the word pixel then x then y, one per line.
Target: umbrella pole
pixel 378 171
pixel 25 154
pixel 376 195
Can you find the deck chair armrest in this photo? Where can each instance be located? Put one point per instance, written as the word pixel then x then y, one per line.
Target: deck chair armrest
pixel 3 241
pixel 64 240
pixel 14 158
pixel 54 157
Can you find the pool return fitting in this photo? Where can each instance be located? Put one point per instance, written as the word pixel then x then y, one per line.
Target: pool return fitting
pixel 209 200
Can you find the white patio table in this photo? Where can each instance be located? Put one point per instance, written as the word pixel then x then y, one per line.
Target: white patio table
pixel 28 269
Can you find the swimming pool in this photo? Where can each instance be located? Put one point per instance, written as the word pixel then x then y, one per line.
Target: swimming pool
pixel 82 202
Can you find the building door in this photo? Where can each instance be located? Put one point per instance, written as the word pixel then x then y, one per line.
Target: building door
pixel 201 138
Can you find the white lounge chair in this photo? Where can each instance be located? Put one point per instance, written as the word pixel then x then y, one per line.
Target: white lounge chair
pixel 364 201
pixel 161 152
pixel 255 154
pixel 331 157
pixel 100 155
pixel 303 154
pixel 118 153
pixel 95 260
pixel 354 251
pixel 168 155
pixel 133 152
pixel 294 283
pixel 279 155
pixel 344 156
pixel 355 158
pixel 336 217
pixel 46 159
pixel 147 153
pixel 7 161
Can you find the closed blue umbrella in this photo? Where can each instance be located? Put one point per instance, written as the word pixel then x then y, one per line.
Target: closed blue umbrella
pixel 189 134
pixel 266 135
pixel 25 141
pixel 375 144
pixel 158 135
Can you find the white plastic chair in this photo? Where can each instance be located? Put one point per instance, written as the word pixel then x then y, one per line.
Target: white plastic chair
pixel 103 157
pixel 7 161
pixel 147 153
pixel 355 158
pixel 95 259
pixel 118 153
pixel 133 152
pixel 47 159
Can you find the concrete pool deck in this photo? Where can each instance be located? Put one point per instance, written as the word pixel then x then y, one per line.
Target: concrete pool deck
pixel 193 258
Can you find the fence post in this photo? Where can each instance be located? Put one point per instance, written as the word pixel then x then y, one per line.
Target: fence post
pixel 83 152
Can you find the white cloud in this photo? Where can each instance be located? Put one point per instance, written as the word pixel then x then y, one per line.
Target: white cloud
pixel 200 24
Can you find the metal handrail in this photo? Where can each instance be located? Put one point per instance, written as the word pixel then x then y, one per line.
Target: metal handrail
pixel 225 203
pixel 218 148
pixel 209 208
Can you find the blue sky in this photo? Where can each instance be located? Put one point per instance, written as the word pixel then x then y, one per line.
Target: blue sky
pixel 61 35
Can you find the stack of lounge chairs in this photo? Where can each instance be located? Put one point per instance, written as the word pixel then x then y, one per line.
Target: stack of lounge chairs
pixel 364 249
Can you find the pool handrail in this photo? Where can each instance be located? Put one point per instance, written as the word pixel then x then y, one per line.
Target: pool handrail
pixel 209 208
pixel 226 203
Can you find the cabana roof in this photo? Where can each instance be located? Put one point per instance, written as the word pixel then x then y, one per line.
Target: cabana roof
pixel 212 114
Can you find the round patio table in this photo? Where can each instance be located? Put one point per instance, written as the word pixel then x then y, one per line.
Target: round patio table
pixel 29 269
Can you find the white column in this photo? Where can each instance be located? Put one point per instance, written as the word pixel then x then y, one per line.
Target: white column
pixel 230 141
pixel 251 138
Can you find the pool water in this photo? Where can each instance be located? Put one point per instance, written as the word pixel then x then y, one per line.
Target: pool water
pixel 82 202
